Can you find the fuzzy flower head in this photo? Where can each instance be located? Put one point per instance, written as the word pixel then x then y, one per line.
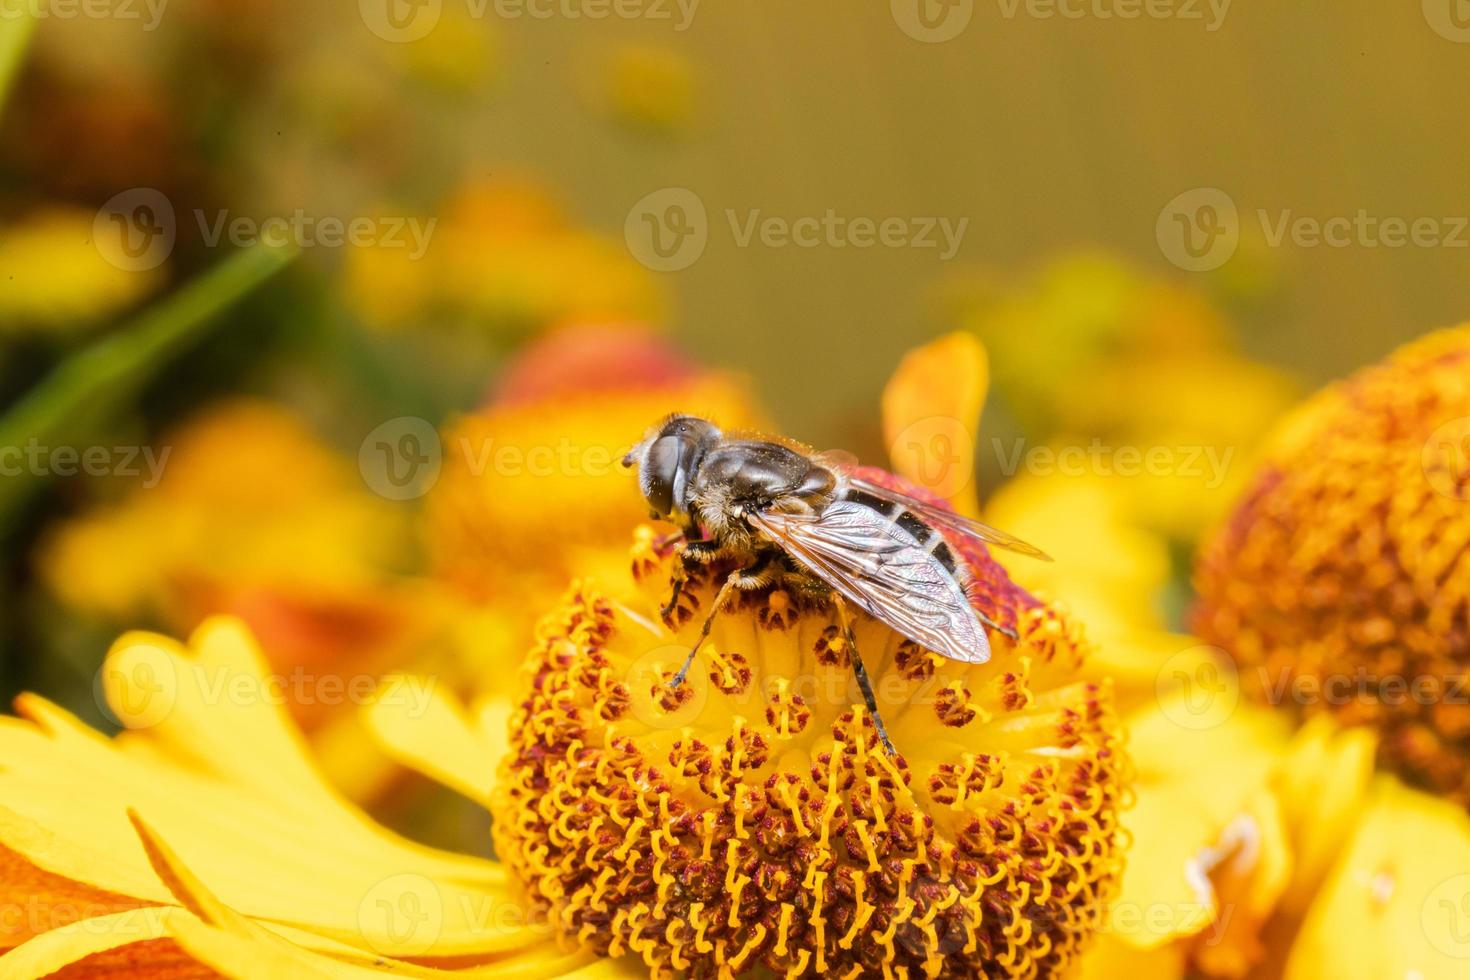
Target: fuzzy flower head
pixel 751 818
pixel 1342 582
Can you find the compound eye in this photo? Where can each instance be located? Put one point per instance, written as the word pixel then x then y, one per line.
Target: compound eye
pixel 659 470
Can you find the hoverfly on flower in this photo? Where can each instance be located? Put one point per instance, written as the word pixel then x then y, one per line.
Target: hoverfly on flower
pixel 782 516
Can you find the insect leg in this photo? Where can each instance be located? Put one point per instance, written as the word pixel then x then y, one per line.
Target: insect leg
pixel 721 597
pixel 681 576
pixel 1004 630
pixel 741 578
pixel 689 553
pixel 861 672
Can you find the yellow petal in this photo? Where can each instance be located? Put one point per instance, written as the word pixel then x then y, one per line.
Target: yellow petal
pixel 1249 867
pixel 931 416
pixel 1190 783
pixel 92 939
pixel 41 901
pixel 201 773
pixel 1109 958
pixel 1322 784
pixel 1397 903
pixel 622 968
pixel 434 735
pixel 220 937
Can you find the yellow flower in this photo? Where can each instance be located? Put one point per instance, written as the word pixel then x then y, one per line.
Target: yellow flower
pixel 648 88
pixel 755 820
pixel 504 259
pixel 242 502
pixel 1341 584
pixel 244 511
pixel 751 820
pixel 52 275
pixel 203 839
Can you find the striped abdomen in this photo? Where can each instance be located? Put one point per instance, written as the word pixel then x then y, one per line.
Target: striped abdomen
pixel 924 536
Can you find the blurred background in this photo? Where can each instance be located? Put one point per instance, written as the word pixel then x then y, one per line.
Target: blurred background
pixel 279 281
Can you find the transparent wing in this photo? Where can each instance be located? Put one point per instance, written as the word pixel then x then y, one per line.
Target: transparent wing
pixel 947 520
pixel 874 564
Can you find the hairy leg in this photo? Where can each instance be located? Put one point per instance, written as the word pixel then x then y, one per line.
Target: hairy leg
pixel 755 577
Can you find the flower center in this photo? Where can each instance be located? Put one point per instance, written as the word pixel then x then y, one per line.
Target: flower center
pixel 751 817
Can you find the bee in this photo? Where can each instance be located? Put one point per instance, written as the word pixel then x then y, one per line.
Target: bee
pixel 784 516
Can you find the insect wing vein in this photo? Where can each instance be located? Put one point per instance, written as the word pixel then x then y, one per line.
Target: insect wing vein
pixel 860 553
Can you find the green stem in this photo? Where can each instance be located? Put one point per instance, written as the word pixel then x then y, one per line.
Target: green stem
pixel 99 380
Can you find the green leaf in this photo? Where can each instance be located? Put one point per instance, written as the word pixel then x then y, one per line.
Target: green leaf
pixel 16 25
pixel 97 382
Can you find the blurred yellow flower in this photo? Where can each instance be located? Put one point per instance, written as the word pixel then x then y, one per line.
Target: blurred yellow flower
pixel 459 54
pixel 533 492
pixel 242 510
pixel 1342 583
pixel 242 498
pixel 502 258
pixel 1131 378
pixel 647 88
pixel 53 277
